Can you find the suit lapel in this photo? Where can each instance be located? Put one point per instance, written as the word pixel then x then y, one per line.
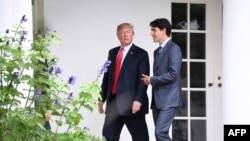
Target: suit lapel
pixel 156 54
pixel 161 54
pixel 128 58
pixel 113 57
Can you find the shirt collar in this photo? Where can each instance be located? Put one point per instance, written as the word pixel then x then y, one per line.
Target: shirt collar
pixel 126 48
pixel 164 43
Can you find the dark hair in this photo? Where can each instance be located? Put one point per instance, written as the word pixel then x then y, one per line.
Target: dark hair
pixel 162 23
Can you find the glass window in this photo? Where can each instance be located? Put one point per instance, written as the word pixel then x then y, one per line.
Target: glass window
pixel 180 130
pixel 197 46
pixel 198 103
pixel 198 130
pixel 197 16
pixel 179 15
pixel 197 75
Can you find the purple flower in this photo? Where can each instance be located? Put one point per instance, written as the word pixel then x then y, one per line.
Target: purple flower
pixel 35 33
pixel 51 69
pixel 23 38
pixel 54 60
pixel 23 19
pixel 16 74
pixel 72 80
pixel 58 70
pixel 32 111
pixel 47 30
pixel 37 95
pixel 38 92
pixel 57 102
pixel 70 96
pixel 25 32
pixel 86 128
pixel 105 67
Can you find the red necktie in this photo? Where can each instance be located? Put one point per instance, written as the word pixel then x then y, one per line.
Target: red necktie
pixel 117 70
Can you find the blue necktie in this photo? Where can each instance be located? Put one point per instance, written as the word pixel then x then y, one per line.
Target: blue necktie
pixel 160 49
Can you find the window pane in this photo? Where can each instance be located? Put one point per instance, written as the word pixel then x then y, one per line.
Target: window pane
pixel 197 75
pixel 181 40
pixel 179 131
pixel 184 75
pixel 198 130
pixel 179 16
pixel 197 17
pixel 198 103
pixel 197 46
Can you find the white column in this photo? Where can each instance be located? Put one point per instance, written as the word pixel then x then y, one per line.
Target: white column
pixel 236 62
pixel 11 12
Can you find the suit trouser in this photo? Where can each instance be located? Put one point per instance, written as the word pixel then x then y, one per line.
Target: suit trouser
pixel 47 125
pixel 114 123
pixel 163 119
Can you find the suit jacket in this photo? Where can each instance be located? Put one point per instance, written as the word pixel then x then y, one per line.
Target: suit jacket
pixel 166 86
pixel 130 87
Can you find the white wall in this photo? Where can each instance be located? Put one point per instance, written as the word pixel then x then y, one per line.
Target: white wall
pixel 11 12
pixel 88 31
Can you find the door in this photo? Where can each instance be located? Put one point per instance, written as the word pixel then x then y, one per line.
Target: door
pixel 197 29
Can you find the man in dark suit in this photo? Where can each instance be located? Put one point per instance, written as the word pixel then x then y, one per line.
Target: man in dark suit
pixel 165 82
pixel 126 100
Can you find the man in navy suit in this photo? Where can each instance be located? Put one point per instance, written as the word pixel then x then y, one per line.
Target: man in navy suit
pixel 126 101
pixel 165 82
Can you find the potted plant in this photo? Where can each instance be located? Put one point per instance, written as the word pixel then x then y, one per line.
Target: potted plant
pixel 31 90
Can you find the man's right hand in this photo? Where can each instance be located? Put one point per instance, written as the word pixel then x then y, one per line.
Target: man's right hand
pixel 48 115
pixel 145 79
pixel 100 105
